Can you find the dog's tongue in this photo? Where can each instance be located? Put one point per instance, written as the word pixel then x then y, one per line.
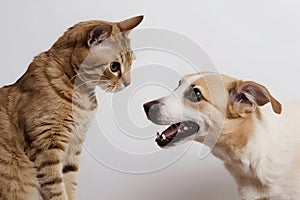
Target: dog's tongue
pixel 171 130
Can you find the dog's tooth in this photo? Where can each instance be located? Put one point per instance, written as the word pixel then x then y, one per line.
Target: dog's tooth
pixel 163 136
pixel 185 128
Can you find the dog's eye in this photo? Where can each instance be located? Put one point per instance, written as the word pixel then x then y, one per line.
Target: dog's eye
pixel 115 67
pixel 194 95
pixel 198 94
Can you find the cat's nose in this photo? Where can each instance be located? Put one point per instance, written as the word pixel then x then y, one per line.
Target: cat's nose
pixel 126 79
pixel 126 83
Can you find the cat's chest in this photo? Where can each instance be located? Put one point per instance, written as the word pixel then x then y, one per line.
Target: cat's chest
pixel 82 120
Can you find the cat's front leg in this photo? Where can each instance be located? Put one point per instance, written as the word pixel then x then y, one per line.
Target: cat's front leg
pixel 70 169
pixel 49 167
pixel 70 181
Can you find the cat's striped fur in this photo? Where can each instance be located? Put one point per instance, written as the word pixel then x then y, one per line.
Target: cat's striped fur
pixel 45 114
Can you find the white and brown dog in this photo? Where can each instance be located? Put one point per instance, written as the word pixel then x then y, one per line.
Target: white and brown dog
pixel 246 127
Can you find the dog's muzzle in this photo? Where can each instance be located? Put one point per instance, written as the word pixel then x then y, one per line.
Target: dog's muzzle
pixel 174 132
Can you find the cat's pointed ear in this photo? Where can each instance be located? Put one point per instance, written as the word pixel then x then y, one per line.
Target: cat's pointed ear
pixel 131 23
pixel 99 34
pixel 247 95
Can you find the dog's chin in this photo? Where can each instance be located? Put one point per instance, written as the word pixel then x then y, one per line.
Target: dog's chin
pixel 176 132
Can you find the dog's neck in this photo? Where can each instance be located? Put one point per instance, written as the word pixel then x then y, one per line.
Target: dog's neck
pixel 248 148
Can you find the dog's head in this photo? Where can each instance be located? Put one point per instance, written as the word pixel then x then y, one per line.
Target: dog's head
pixel 209 103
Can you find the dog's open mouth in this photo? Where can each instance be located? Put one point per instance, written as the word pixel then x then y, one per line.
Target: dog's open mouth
pixel 176 132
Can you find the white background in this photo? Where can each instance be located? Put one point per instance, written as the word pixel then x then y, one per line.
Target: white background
pixel 257 40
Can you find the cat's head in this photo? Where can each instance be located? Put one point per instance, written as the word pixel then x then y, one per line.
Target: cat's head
pixel 101 53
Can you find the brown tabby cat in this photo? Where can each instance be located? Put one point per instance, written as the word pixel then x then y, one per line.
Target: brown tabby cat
pixel 44 115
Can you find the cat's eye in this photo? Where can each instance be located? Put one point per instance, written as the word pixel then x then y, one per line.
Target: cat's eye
pixel 193 94
pixel 115 67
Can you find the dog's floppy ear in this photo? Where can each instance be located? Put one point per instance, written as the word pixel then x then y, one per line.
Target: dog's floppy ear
pixel 99 34
pixel 131 23
pixel 245 96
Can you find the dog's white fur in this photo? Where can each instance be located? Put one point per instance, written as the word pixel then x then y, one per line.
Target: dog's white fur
pixel 269 165
pixel 260 148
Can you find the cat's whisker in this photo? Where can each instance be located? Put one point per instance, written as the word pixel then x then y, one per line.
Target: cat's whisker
pixel 85 83
pixel 75 76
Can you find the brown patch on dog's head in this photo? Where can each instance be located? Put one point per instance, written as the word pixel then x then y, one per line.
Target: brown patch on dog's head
pixel 232 105
pixel 244 99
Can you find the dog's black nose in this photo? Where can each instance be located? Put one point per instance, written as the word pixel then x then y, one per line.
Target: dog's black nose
pixel 148 105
